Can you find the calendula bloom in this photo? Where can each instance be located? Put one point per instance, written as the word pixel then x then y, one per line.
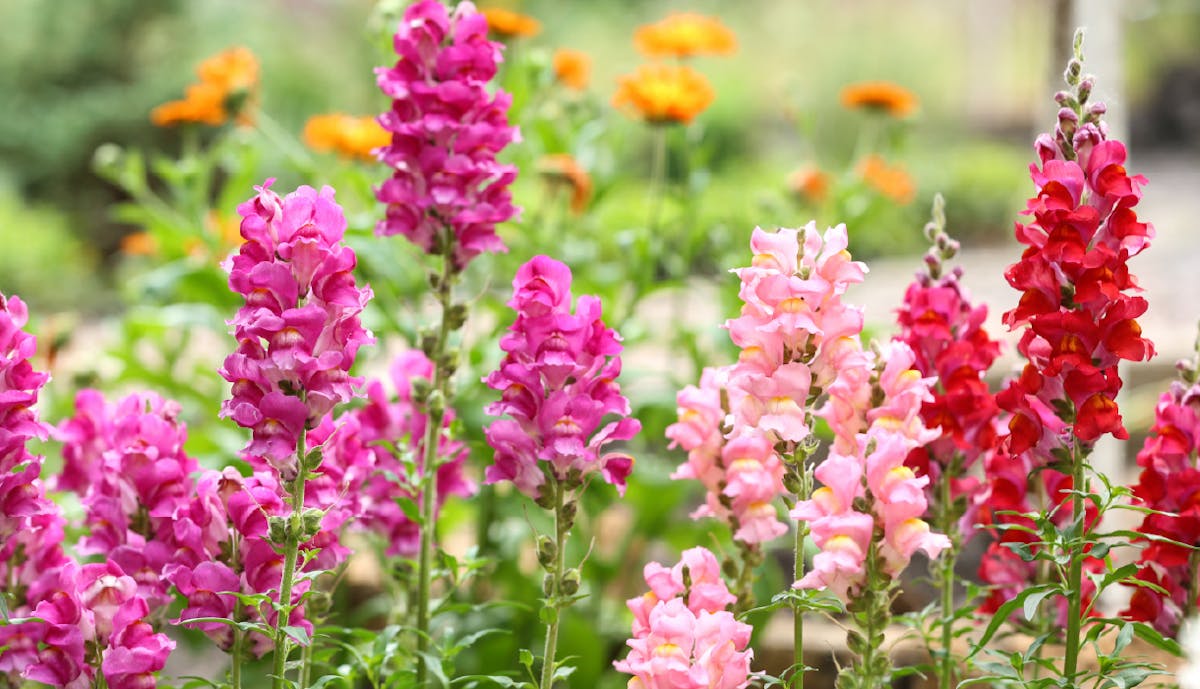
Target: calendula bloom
pixel 685 34
pixel 299 330
pixel 880 96
pixel 561 169
pixel 446 129
pixel 893 181
pixel 683 634
pixel 139 244
pixel 345 135
pixel 664 94
pixel 558 384
pixel 227 83
pixel 809 183
pixel 505 23
pixel 572 68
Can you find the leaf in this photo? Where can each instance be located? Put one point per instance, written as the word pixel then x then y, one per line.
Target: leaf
pixel 526 657
pixel 1123 639
pixel 1128 677
pixel 1004 612
pixel 1151 636
pixel 1033 601
pixel 499 680
pixel 1119 574
pixel 297 634
pixel 409 507
pixel 434 664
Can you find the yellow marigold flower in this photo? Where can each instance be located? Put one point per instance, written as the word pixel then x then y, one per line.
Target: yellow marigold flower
pixel 139 244
pixel 883 96
pixel 893 182
pixel 684 35
pixel 562 169
pixel 346 135
pixel 508 24
pixel 573 68
pixel 664 93
pixel 227 83
pixel 809 183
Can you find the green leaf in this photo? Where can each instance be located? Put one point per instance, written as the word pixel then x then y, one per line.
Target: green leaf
pixel 1033 601
pixel 526 657
pixel 297 634
pixel 1004 612
pixel 499 680
pixel 1151 636
pixel 1123 639
pixel 1128 677
pixel 409 507
pixel 434 664
pixel 1119 574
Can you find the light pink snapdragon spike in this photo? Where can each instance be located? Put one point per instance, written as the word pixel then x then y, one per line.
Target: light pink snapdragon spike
pixel 362 476
pixel 698 431
pixel 791 330
pixel 299 330
pixel 683 635
pixel 447 127
pixel 872 472
pixel 558 384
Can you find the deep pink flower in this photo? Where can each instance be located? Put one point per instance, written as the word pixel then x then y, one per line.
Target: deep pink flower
pixel 446 127
pixel 558 385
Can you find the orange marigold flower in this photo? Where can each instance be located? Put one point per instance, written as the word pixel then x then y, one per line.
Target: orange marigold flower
pixel 562 169
pixel 809 183
pixel 227 83
pixel 664 93
pixel 346 135
pixel 882 96
pixel 573 68
pixel 893 182
pixel 508 24
pixel 684 35
pixel 139 244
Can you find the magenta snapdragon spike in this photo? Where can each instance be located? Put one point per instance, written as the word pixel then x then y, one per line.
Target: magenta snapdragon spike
pixel 362 476
pixel 557 382
pixel 447 128
pixel 299 330
pixel 683 634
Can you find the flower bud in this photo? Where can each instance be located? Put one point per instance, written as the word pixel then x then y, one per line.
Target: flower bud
pixel 570 582
pixel 312 522
pixel 548 585
pixel 277 529
pixel 546 551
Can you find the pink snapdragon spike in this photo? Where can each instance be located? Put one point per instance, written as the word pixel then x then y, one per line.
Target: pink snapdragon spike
pixel 361 473
pixel 683 635
pixel 790 331
pixel 447 128
pixel 698 431
pixel 872 474
pixel 558 384
pixel 299 330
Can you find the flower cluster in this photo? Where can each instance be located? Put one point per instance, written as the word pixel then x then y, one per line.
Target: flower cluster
pixel 683 636
pixel 558 382
pixel 227 83
pixel 299 330
pixel 872 473
pixel 1076 309
pixel 791 330
pixel 1170 484
pixel 698 431
pixel 446 129
pixel 362 475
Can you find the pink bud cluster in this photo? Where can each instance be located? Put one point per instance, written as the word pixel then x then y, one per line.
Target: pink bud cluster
pixel 558 382
pixel 446 130
pixel 1170 484
pixel 683 635
pixel 362 474
pixel 945 332
pixel 790 331
pixel 299 330
pixel 871 502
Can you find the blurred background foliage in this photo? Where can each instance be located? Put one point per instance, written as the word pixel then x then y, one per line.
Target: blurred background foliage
pixel 103 214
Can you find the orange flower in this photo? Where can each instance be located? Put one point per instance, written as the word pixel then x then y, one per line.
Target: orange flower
pixel 882 96
pixel 572 68
pixel 561 168
pixel 346 135
pixel 684 35
pixel 809 183
pixel 227 82
pixel 893 182
pixel 139 244
pixel 508 24
pixel 664 93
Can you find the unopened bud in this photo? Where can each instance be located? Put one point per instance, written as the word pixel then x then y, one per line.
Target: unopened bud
pixel 729 568
pixel 546 551
pixel 1085 88
pixel 548 585
pixel 569 510
pixel 792 483
pixel 277 529
pixel 570 582
pixel 312 522
pixel 456 316
pixel 421 388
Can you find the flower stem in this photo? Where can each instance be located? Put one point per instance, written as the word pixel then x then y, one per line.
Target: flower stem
pixel 291 551
pixel 554 595
pixel 305 665
pixel 946 519
pixel 1074 581
pixel 433 427
pixel 797 613
pixel 235 669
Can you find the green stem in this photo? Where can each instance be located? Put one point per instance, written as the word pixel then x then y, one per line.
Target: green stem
pixel 239 637
pixel 1074 581
pixel 797 613
pixel 305 665
pixel 947 517
pixel 290 554
pixel 433 429
pixel 553 597
pixel 658 176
